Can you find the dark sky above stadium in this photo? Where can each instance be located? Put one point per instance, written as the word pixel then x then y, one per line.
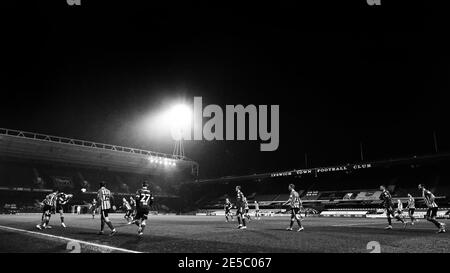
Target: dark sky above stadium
pixel 96 72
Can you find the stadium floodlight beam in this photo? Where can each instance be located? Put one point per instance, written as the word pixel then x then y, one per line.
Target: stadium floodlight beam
pixel 179 118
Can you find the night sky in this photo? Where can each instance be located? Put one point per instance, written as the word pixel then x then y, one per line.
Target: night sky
pixel 98 72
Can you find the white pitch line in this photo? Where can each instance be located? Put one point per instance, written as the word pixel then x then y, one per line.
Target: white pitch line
pixel 356 224
pixel 69 239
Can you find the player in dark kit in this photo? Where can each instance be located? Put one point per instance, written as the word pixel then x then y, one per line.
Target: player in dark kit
pixel 104 197
pixel 144 199
pixel 240 208
pixel 429 200
pixel 227 208
pixel 389 207
pixel 411 208
pixel 49 205
pixel 295 202
pixel 61 200
pixel 93 207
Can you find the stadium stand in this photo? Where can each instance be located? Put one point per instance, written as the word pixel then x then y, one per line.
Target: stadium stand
pixel 341 190
pixel 31 165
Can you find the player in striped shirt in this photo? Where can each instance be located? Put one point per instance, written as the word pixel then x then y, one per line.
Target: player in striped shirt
pixel 240 206
pixel 247 209
pixel 257 216
pixel 133 207
pixel 429 200
pixel 104 197
pixel 389 207
pixel 411 208
pixel 295 203
pixel 399 210
pixel 128 209
pixel 49 205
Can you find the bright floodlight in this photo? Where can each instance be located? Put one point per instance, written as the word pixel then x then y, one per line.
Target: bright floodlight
pixel 179 118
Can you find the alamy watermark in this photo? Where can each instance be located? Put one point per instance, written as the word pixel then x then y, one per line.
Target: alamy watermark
pixel 214 129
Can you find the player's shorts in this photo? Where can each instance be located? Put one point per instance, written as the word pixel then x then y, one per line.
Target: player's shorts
pixel 239 210
pixel 295 211
pixel 227 211
pixel 389 211
pixel 432 212
pixel 47 210
pixel 104 212
pixel 411 211
pixel 142 213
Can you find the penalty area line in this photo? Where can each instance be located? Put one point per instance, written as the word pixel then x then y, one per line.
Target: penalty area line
pixel 69 239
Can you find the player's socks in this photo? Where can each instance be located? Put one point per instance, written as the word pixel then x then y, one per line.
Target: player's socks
pixel 243 221
pixel 102 226
pixel 110 225
pixel 291 224
pixel 389 221
pixel 62 219
pixel 436 223
pixel 239 220
pixel 299 224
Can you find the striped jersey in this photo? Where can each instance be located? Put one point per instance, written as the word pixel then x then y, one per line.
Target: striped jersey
pixel 50 199
pixel 104 198
pixel 126 205
pixel 132 202
pixel 400 206
pixel 411 203
pixel 294 200
pixel 246 203
pixel 428 197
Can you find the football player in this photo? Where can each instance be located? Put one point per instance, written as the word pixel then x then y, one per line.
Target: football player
pixel 389 207
pixel 61 200
pixel 240 208
pixel 295 203
pixel 257 216
pixel 49 204
pixel 227 208
pixel 411 208
pixel 429 200
pixel 128 209
pixel 93 207
pixel 105 197
pixel 144 199
pixel 246 214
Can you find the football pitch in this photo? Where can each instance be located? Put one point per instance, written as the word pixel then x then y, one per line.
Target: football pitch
pixel 211 234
